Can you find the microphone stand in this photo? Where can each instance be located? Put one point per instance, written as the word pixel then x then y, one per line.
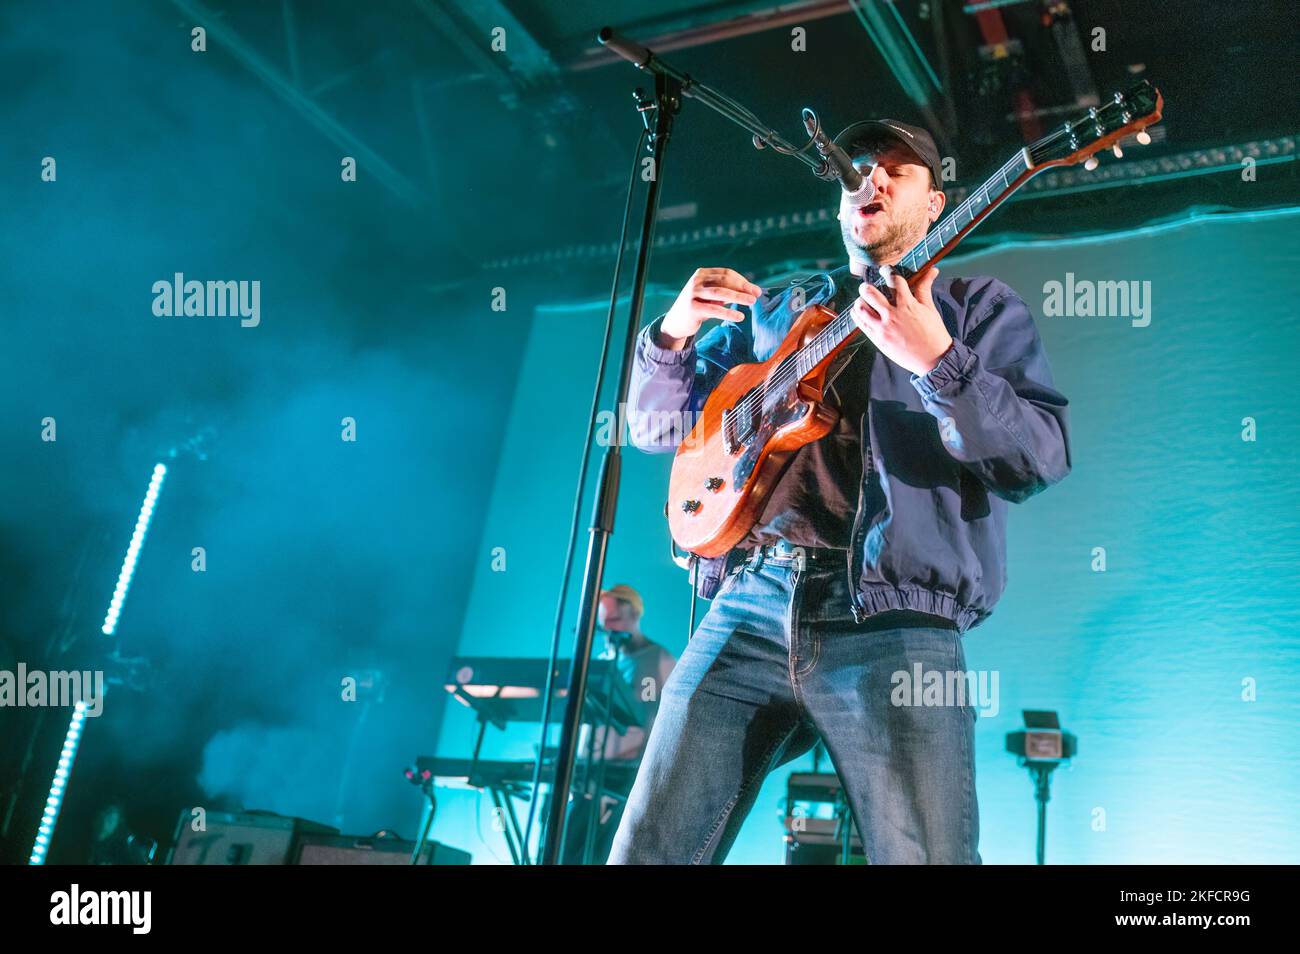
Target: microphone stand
pixel 595 778
pixel 658 113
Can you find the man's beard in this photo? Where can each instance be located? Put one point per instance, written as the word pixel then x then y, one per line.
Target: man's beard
pixel 898 239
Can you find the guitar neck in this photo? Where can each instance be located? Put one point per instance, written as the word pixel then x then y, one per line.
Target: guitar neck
pixel 957 223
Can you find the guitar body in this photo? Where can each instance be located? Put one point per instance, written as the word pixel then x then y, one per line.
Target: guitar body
pixel 746 433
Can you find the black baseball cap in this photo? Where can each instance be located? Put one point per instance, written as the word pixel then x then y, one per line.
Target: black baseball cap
pixel 871 132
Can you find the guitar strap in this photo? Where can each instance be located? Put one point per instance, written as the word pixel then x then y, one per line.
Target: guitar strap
pixel 839 302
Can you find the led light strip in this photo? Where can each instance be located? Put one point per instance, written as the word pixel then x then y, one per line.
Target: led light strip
pixel 133 551
pixel 55 799
pixel 71 741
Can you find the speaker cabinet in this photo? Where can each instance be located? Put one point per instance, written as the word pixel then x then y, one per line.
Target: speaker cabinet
pixel 240 838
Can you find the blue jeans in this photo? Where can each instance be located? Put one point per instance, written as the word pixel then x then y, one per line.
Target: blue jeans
pixel 775 663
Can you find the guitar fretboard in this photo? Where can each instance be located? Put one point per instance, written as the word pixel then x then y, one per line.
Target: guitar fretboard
pixel 994 190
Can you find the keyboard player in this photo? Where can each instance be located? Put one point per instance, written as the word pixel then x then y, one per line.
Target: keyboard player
pixel 644 665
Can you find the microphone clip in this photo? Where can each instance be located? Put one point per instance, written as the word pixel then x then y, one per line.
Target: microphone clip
pixel 817 137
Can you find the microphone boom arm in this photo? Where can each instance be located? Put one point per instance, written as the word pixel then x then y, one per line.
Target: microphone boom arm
pixel 762 134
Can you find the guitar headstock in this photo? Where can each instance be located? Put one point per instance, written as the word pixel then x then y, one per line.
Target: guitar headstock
pixel 1101 127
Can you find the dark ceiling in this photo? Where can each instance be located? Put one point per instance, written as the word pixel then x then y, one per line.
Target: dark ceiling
pixel 511 155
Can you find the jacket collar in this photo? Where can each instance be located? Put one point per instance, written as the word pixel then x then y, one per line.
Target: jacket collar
pixel 839 278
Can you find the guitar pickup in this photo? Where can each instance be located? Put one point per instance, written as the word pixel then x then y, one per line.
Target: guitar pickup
pixel 738 424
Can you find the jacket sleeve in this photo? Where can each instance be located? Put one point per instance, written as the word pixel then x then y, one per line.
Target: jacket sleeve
pixel 997 409
pixel 668 388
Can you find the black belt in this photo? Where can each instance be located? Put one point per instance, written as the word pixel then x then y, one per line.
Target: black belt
pixel 787 552
pixel 792 552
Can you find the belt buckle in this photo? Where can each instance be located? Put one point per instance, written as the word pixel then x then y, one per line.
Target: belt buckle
pixel 795 555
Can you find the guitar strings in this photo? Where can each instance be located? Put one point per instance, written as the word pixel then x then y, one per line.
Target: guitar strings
pixel 787 371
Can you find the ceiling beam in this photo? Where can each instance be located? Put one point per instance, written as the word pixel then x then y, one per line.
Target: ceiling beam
pixel 699 35
pixel 284 87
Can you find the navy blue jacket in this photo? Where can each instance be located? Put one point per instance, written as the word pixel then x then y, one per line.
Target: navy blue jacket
pixel 943 453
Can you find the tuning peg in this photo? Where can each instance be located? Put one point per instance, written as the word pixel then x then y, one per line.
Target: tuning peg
pixel 1091 163
pixel 1119 153
pixel 1144 137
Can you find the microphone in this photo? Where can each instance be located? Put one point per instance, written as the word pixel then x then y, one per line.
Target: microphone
pixel 616 637
pixel 838 164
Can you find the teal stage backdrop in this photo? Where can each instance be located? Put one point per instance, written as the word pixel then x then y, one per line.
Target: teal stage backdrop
pixel 1153 596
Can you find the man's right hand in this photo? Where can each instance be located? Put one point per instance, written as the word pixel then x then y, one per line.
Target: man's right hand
pixel 705 296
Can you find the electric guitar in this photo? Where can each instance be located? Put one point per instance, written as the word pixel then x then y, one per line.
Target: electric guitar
pixel 760 414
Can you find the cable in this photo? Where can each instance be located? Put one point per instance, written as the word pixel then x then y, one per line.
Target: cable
pixel 695 588
pixel 577 496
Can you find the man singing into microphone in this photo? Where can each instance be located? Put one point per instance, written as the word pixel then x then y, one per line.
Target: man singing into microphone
pixel 879 546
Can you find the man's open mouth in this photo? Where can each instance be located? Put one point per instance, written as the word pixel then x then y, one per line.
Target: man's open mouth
pixel 870 209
